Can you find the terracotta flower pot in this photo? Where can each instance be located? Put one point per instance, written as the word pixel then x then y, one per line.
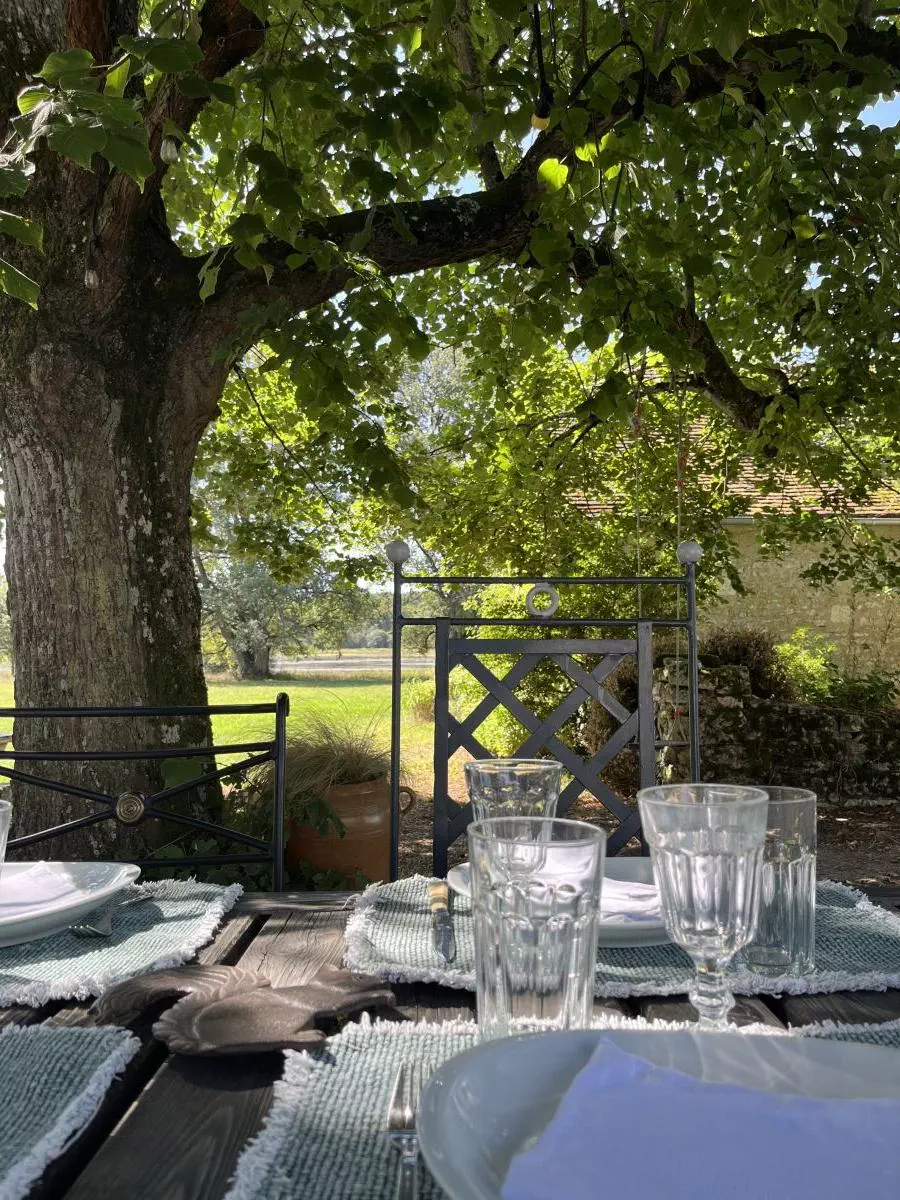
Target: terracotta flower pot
pixel 364 809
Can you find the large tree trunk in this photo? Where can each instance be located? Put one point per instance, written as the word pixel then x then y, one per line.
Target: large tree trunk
pixel 253 662
pixel 104 401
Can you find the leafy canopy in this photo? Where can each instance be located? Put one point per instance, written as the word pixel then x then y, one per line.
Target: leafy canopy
pixel 706 193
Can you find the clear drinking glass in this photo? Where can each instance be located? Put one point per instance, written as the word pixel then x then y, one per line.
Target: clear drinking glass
pixel 785 941
pixel 513 787
pixel 536 904
pixel 5 818
pixel 706 842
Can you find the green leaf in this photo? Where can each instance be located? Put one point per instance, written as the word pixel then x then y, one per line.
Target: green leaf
pixel 113 109
pixel 360 240
pixel 762 270
pixel 804 227
pixel 29 233
pixel 165 17
pixel 550 247
pixel 15 284
pixel 127 151
pixel 415 41
pixel 29 98
pixel 553 174
pixel 441 12
pixel 682 78
pixel 79 141
pixel 223 91
pixel 698 264
pixel 731 28
pixel 172 54
pixel 117 78
pixel 13 181
pixel 194 86
pixel 510 10
pixel 66 64
pixel 209 275
pixel 248 227
pixel 829 22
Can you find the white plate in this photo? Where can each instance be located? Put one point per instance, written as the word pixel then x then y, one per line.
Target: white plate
pixel 83 886
pixel 482 1107
pixel 612 933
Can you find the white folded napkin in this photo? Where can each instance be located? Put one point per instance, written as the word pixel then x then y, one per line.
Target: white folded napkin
pixel 623 900
pixel 21 893
pixel 626 1128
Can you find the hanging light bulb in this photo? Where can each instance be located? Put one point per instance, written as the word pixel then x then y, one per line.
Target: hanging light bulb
pixel 168 151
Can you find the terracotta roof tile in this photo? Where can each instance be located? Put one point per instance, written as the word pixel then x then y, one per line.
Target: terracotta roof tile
pixel 748 487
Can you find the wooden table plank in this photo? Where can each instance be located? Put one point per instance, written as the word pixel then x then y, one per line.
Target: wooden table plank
pixel 204 1110
pixel 428 1002
pixel 855 1008
pixel 887 897
pixel 181 1141
pixel 229 943
pixel 269 902
pixel 748 1010
pixel 293 945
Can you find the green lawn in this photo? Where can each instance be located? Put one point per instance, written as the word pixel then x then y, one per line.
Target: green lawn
pixel 361 698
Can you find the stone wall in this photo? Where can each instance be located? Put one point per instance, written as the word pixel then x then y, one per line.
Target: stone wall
pixel 865 627
pixel 846 758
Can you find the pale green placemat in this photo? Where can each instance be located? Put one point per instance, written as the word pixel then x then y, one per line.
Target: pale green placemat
pixel 857 947
pixel 164 931
pixel 324 1137
pixel 52 1081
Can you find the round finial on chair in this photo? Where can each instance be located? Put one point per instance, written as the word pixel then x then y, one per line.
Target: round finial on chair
pixel 397 551
pixel 689 552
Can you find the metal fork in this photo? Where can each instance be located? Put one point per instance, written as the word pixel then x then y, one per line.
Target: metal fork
pixel 101 921
pixel 411 1077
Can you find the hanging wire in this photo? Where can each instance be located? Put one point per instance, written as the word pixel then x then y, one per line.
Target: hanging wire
pixel 680 463
pixel 637 419
pixel 540 118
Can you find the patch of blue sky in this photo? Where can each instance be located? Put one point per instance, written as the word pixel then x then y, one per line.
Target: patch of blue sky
pixel 882 113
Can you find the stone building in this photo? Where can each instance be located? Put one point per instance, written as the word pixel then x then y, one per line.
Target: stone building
pixel 863 626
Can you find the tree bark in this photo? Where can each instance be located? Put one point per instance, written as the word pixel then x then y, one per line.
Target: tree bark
pixel 253 662
pixel 104 397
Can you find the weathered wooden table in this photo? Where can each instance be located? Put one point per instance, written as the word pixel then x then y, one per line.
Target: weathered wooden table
pixel 172 1128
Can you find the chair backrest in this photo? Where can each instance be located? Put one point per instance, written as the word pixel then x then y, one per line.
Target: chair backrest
pixel 598 639
pixel 632 727
pixel 132 807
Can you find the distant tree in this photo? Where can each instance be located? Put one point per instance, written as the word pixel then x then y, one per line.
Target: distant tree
pixel 254 614
pixel 565 466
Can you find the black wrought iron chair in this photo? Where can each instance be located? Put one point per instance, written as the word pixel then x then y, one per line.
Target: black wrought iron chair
pixel 132 807
pixel 633 727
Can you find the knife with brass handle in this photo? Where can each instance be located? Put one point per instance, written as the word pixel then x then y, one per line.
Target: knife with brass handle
pixel 441 922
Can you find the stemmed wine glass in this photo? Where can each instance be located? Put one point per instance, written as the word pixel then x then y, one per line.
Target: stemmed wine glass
pixel 706 841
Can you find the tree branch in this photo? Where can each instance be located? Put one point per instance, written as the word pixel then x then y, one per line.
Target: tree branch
pixel 28 32
pixel 718 379
pixel 403 238
pixel 229 34
pixel 98 26
pixel 460 33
